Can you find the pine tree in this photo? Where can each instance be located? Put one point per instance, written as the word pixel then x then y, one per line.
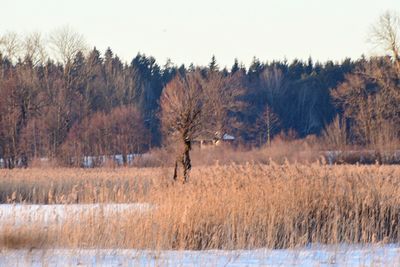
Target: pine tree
pixel 213 66
pixel 255 69
pixel 235 66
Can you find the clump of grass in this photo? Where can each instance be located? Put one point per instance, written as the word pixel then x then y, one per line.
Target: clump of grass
pixel 231 206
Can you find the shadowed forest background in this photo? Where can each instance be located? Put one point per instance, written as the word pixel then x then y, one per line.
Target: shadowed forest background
pixel 78 102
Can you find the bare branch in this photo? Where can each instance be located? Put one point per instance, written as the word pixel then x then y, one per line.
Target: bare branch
pixel 66 43
pixel 10 45
pixel 385 34
pixel 35 48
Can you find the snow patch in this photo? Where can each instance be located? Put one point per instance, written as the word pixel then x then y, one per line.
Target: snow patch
pixel 342 255
pixel 20 214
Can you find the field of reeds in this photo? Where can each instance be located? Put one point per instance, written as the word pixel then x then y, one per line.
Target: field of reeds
pixel 222 207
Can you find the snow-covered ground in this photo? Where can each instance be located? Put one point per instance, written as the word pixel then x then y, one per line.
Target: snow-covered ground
pixel 343 255
pixel 16 214
pixel 317 255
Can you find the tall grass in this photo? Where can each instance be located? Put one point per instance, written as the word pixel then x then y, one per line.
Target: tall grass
pixel 222 207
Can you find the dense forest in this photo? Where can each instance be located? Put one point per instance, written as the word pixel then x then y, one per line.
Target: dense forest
pixel 86 102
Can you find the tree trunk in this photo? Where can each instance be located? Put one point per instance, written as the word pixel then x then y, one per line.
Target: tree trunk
pixel 185 162
pixel 124 159
pixel 175 177
pixel 11 163
pixel 24 160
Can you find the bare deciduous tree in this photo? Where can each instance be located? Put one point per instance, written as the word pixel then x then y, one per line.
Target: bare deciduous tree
pixel 267 124
pixel 66 43
pixel 195 105
pixel 10 45
pixel 120 132
pixel 370 98
pixel 34 48
pixel 272 82
pixel 386 35
pixel 272 85
pixel 182 117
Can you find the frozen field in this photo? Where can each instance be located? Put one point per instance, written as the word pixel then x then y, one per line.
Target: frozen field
pixel 388 255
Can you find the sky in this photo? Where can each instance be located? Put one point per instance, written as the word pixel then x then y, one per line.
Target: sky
pixel 187 31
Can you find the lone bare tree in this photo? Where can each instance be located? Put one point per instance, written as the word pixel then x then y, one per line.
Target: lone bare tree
pixel 273 85
pixel 267 123
pixel 182 117
pixel 194 105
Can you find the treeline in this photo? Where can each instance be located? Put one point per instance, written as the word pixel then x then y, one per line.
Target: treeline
pixel 82 102
pixel 46 109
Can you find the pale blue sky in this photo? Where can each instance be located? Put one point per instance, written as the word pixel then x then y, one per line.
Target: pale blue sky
pixel 191 31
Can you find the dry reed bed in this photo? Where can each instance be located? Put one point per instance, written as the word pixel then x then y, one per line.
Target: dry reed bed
pixel 224 207
pixel 74 185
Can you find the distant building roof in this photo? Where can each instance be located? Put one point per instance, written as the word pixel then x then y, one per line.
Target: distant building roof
pixel 228 137
pixel 216 137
